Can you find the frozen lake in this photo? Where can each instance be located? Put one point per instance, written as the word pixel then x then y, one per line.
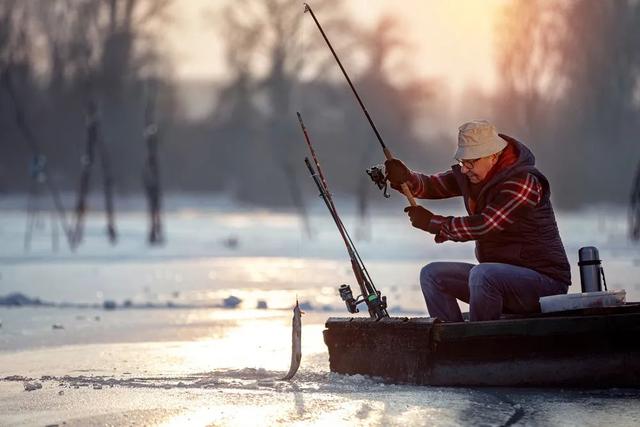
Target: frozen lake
pixel 184 360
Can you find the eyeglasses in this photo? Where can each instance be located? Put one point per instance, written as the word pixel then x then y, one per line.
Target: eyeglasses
pixel 467 163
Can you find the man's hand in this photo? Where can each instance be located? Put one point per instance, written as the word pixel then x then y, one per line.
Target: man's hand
pixel 420 217
pixel 397 172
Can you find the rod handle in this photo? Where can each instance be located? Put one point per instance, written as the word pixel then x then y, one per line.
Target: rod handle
pixel 403 186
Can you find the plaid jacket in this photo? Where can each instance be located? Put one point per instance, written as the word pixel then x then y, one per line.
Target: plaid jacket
pixel 513 196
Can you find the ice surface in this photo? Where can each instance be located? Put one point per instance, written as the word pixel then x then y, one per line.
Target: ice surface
pixel 169 354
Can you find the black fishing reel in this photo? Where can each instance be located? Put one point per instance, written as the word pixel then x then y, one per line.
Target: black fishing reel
pixel 376 303
pixel 377 175
pixel 349 300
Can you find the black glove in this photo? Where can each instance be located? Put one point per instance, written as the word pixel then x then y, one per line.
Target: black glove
pixel 397 172
pixel 420 217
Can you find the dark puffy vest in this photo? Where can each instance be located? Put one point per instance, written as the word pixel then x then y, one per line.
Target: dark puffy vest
pixel 533 240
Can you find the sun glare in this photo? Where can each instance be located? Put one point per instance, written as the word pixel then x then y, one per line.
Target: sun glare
pixel 451 40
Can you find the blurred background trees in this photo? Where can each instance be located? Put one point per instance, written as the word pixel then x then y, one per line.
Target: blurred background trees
pixel 60 55
pixel 568 86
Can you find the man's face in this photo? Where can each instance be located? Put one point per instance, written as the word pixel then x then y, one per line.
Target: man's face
pixel 477 169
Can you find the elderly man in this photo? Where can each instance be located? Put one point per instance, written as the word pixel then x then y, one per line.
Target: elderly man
pixel 518 247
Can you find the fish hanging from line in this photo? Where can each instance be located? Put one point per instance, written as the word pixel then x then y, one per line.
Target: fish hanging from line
pixel 296 340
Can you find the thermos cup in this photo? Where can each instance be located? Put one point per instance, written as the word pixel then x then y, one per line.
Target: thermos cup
pixel 590 269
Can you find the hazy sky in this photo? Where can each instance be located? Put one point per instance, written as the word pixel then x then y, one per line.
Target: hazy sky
pixel 451 39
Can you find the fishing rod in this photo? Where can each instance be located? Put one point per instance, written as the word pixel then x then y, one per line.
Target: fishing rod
pixel 375 175
pixel 376 303
pixel 345 236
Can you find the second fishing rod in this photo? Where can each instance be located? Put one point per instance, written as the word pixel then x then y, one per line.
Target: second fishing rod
pixel 376 303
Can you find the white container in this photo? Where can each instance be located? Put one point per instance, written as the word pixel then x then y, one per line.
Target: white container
pixel 586 300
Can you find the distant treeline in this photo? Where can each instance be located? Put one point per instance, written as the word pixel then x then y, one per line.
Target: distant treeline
pixel 568 86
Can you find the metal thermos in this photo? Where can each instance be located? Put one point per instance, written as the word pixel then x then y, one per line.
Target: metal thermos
pixel 590 269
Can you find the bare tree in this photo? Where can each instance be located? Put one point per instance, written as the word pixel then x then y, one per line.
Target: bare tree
pixel 527 63
pixel 256 114
pixel 570 73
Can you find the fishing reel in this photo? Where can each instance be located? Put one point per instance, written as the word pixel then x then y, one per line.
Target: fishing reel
pixel 349 300
pixel 376 173
pixel 376 303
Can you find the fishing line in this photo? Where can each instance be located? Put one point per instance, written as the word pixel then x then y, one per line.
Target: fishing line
pixel 296 97
pixel 298 63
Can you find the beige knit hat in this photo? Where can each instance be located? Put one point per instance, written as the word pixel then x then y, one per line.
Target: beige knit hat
pixel 477 139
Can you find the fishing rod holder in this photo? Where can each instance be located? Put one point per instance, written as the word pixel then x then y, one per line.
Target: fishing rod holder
pixel 376 173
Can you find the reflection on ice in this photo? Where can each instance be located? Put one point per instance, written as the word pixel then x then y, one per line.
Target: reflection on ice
pixel 238 397
pixel 152 342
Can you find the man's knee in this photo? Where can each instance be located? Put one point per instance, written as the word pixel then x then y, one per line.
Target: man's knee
pixel 431 273
pixel 483 276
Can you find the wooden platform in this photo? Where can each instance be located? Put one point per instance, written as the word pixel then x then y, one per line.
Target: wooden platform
pixel 584 348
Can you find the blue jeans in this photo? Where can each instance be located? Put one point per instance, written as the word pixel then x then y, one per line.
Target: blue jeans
pixel 489 288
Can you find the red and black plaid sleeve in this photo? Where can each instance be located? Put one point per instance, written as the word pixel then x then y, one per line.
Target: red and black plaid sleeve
pixel 439 186
pixel 513 196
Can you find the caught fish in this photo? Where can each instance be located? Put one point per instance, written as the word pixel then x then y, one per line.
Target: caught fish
pixel 296 335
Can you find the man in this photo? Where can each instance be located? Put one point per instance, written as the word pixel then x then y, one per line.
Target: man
pixel 521 257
